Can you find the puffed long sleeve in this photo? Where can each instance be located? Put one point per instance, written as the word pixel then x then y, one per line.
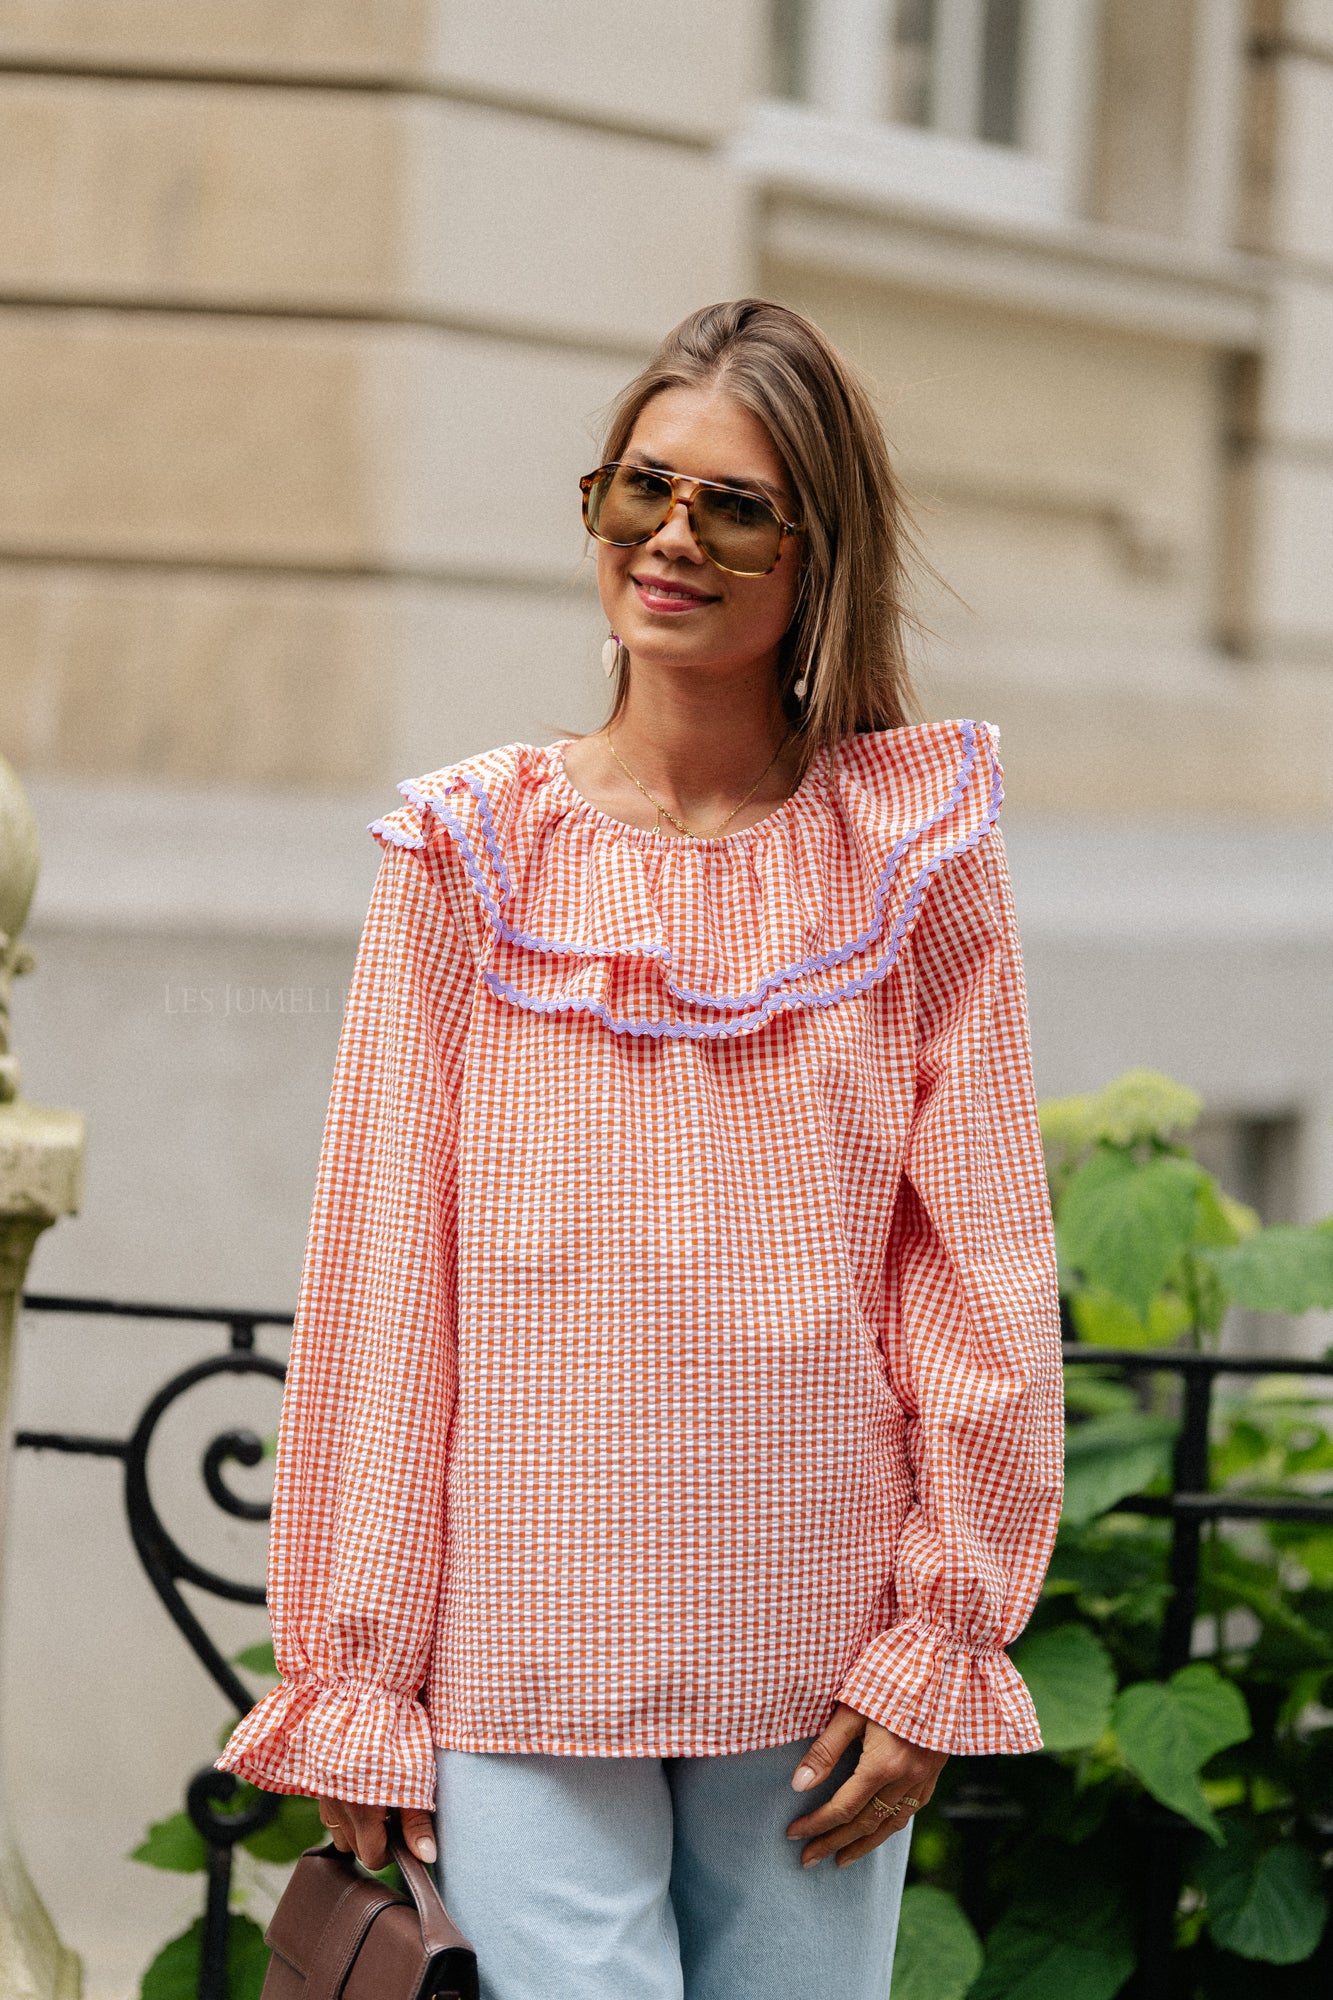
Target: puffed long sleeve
pixel 971 1338
pixel 358 1508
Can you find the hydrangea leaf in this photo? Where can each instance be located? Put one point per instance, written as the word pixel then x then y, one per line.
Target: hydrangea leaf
pixel 296 1826
pixel 1067 1935
pixel 174 1843
pixel 1071 1678
pixel 938 1953
pixel 1284 1270
pixel 258 1659
pixel 1168 1730
pixel 174 1973
pixel 1107 1458
pixel 1264 1903
pixel 1123 1223
pixel 1103 1321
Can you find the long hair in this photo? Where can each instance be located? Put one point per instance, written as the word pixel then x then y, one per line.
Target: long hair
pixel 848 632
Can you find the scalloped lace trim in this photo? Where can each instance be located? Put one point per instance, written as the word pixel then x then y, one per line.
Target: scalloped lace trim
pixel 763 1000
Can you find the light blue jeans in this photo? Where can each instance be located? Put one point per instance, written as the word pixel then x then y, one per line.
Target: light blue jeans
pixel 646 1878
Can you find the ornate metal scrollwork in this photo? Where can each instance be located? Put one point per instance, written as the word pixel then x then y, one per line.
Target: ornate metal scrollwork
pixel 168 1566
pixel 166 1563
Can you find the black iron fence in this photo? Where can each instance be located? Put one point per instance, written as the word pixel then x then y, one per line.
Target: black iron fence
pixel 1189 1505
pixel 167 1565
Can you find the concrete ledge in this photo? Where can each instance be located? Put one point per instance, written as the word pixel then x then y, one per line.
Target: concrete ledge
pixel 161 857
pixel 828 206
pixel 167 859
pixel 330 38
pixel 1182 882
pixel 1132 732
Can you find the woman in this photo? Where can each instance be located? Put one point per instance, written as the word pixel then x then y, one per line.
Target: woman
pixel 674 1413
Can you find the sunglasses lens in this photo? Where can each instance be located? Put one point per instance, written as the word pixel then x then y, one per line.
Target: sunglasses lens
pixel 738 530
pixel 627 504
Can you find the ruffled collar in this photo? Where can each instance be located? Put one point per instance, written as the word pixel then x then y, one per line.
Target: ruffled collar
pixel 579 913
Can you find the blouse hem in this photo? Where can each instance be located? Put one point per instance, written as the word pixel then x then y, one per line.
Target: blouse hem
pixel 689 1743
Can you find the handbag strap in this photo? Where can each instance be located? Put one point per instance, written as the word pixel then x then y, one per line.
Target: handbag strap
pixel 438 1930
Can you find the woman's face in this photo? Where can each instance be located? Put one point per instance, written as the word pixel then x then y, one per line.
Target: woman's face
pixel 672 605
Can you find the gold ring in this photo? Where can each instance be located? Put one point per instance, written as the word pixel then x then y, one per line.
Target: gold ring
pixel 908 1801
pixel 881 1811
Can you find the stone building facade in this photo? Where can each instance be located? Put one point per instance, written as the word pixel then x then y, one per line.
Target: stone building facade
pixel 307 316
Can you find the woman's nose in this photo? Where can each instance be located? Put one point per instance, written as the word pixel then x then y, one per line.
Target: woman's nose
pixel 674 538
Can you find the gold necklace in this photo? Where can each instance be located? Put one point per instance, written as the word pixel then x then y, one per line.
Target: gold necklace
pixel 691 833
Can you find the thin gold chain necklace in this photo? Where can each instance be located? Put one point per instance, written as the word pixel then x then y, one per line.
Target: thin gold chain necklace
pixel 692 833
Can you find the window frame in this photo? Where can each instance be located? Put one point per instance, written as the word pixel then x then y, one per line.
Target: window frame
pixel 838 131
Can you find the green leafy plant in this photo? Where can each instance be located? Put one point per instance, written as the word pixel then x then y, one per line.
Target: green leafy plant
pixel 174 1973
pixel 941 1955
pixel 1226 1766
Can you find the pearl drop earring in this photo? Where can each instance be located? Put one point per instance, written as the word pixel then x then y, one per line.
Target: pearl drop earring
pixel 611 652
pixel 801 687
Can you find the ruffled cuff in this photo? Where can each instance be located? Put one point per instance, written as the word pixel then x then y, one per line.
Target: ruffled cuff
pixel 929 1687
pixel 355 1743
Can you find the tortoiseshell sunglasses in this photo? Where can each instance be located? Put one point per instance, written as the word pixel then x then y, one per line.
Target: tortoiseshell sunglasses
pixel 740 531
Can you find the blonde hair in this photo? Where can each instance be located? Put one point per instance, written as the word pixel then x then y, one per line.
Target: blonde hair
pixel 848 632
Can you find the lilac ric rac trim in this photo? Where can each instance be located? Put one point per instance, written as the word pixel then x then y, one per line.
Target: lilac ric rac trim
pixel 778 1002
pixel 383 831
pixel 394 836
pixel 802 968
pixel 480 794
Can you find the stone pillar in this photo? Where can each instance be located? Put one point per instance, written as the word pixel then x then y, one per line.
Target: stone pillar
pixel 41 1153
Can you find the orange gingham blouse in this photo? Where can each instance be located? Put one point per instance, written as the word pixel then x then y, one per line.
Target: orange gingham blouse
pixel 677 1350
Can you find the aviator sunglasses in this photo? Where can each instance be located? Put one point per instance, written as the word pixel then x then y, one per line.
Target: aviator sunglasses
pixel 740 531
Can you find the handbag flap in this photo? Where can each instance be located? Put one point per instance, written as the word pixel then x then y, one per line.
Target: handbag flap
pixel 325 1890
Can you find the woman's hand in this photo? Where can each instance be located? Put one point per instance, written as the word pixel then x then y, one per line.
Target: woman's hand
pixel 359 1830
pixel 889 1769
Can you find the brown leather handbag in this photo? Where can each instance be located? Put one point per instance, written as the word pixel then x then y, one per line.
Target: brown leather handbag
pixel 340 1935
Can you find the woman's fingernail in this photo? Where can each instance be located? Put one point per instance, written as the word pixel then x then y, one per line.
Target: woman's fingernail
pixel 804 1778
pixel 811 1860
pixel 426 1849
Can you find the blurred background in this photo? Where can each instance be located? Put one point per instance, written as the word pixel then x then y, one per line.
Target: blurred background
pixel 309 310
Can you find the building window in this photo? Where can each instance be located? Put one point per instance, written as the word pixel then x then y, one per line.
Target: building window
pixel 1119 111
pixel 951 66
pixel 787 23
pixel 911 94
pixel 981 103
pixel 955 66
pixel 1000 71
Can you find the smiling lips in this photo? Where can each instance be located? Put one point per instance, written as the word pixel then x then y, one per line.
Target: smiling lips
pixel 656 594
